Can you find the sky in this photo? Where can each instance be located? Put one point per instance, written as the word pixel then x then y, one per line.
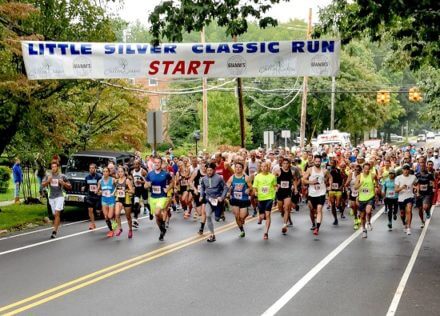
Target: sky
pixel 139 9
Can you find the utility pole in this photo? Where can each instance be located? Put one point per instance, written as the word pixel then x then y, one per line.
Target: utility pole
pixel 204 102
pixel 302 131
pixel 332 109
pixel 240 105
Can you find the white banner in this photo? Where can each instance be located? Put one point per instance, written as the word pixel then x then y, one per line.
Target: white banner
pixel 69 60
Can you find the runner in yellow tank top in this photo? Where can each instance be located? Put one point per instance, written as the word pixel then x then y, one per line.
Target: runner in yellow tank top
pixel 366 184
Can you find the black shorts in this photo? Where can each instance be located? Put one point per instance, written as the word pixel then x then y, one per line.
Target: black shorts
pixel 295 198
pixel 182 190
pixel 317 200
pixel 363 204
pixel 424 199
pixel 93 202
pixel 402 205
pixel 283 194
pixel 240 203
pixel 197 200
pixel 352 198
pixel 265 206
pixel 141 192
pixel 126 202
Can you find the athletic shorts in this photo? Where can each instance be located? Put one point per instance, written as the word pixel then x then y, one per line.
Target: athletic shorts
pixel 317 200
pixel 126 202
pixel 352 198
pixel 182 190
pixel 93 202
pixel 141 192
pixel 424 200
pixel 402 205
pixel 240 203
pixel 56 204
pixel 363 204
pixel 158 203
pixel 265 206
pixel 283 194
pixel 295 198
pixel 108 203
pixel 197 202
pixel 335 194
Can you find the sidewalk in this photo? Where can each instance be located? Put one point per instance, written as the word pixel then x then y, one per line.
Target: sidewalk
pixel 6 203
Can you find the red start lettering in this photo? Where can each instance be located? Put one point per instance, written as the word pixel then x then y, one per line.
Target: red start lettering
pixel 180 67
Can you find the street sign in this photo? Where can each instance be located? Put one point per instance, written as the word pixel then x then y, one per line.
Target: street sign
pixel 154 125
pixel 268 138
pixel 285 134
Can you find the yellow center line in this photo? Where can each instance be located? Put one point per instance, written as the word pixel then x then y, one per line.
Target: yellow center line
pixel 116 269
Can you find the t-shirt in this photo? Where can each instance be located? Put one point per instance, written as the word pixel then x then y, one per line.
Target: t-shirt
pixel 389 189
pixel 92 184
pixel 425 181
pixel 409 182
pixel 55 186
pixel 265 185
pixel 159 181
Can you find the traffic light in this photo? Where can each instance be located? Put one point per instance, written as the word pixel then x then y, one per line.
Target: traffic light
pixel 383 97
pixel 414 95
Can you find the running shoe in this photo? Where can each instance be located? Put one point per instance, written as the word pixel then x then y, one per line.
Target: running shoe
pixel 223 218
pixel 167 225
pixel 364 234
pixel 290 225
pixel 114 225
pixel 313 227
pixel 151 216
pixel 118 232
pixel 110 234
pixel 428 214
pixel 423 225
pixel 211 239
pixel 92 226
pixel 200 232
pixel 390 226
pixel 135 223
pixel 242 234
pixel 356 226
pixel 161 236
pixel 130 234
pixel 316 231
pixel 284 229
pixel 395 216
pixel 266 236
pixel 369 226
pixel 260 220
pixel 53 235
pixel 335 222
pixel 342 216
pixel 351 212
pixel 408 231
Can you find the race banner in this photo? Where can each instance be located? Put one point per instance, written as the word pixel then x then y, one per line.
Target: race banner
pixel 73 60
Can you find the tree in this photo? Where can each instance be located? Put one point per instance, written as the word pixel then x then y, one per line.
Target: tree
pixel 412 26
pixel 429 82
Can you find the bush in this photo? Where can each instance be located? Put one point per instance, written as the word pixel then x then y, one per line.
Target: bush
pixel 5 176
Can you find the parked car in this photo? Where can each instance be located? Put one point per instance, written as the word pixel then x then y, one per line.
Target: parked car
pixel 421 138
pixel 430 136
pixel 396 138
pixel 77 169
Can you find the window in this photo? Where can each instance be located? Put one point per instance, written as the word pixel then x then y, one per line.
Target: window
pixel 152 82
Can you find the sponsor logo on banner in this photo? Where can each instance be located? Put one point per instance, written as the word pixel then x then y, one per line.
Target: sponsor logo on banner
pixel 320 65
pixel 82 66
pixel 236 65
pixel 120 66
pixel 278 68
pixel 47 68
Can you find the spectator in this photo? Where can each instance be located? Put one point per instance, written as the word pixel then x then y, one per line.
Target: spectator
pixel 18 179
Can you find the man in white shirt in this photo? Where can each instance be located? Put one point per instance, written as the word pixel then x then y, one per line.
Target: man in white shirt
pixel 404 186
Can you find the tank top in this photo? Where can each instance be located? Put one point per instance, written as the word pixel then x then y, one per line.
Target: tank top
pixel 318 189
pixel 285 180
pixel 366 191
pixel 353 191
pixel 239 187
pixel 183 182
pixel 252 167
pixel 337 179
pixel 121 189
pixel 137 175
pixel 197 178
pixel 107 189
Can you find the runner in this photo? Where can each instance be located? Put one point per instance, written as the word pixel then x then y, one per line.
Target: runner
pixel 425 190
pixel 354 194
pixel 93 200
pixel 366 184
pixel 252 167
pixel 316 178
pixel 265 184
pixel 124 192
pixel 139 175
pixel 213 192
pixel 107 190
pixel 335 193
pixel 390 194
pixel 159 183
pixel 57 182
pixel 182 178
pixel 405 187
pixel 240 186
pixel 286 184
pixel 200 204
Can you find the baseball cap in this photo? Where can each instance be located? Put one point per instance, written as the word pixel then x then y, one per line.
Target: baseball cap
pixel 406 166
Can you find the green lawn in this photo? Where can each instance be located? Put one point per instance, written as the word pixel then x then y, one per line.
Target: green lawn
pixel 9 195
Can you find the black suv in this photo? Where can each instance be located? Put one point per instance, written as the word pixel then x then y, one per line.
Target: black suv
pixel 77 169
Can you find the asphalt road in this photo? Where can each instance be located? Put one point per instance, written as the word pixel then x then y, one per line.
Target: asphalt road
pixel 84 273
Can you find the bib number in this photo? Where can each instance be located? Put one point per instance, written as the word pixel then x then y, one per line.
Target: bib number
pixel 121 193
pixel 335 186
pixel 238 195
pixel 136 199
pixel 317 187
pixel 284 184
pixel 93 188
pixel 106 193
pixel 423 187
pixel 354 193
pixel 265 190
pixel 184 183
pixel 213 201
pixel 54 183
pixel 199 188
pixel 390 194
pixel 366 191
pixel 156 189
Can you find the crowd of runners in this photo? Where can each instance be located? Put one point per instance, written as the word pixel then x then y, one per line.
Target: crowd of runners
pixel 256 183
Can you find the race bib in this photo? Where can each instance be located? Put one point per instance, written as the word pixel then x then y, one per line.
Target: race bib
pixel 136 199
pixel 317 187
pixel 199 188
pixel 390 194
pixel 54 183
pixel 265 189
pixel 156 189
pixel 93 188
pixel 213 201
pixel 121 193
pixel 137 182
pixel 284 184
pixel 335 186
pixel 423 187
pixel 106 193
pixel 354 193
pixel 365 191
pixel 184 183
pixel 238 195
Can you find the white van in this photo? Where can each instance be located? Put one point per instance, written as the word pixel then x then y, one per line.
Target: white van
pixel 334 137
